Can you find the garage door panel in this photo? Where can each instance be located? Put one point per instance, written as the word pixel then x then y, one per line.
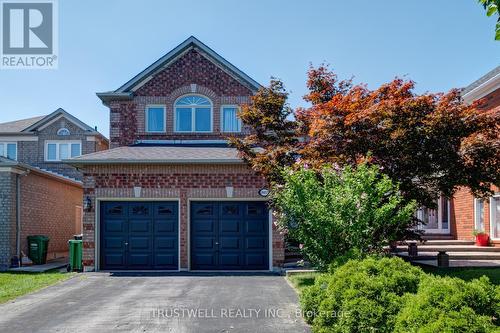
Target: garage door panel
pixel 204 226
pixel 230 226
pixel 140 226
pixel 230 260
pixel 231 210
pixel 204 260
pixel 166 226
pixel 256 243
pixel 139 243
pixel 139 260
pixel 139 235
pixel 114 260
pixel 203 210
pixel 256 259
pixel 255 226
pixel 165 261
pixel 229 235
pixel 204 243
pixel 115 226
pixel 165 243
pixel 114 243
pixel 229 243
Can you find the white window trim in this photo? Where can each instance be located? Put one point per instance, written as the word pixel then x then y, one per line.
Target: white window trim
pixel 476 200
pixel 164 107
pixel 237 107
pixel 496 195
pixel 5 143
pixel 63 129
pixel 440 229
pixel 193 115
pixel 58 142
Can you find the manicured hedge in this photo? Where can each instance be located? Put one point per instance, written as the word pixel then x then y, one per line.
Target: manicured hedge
pixel 444 304
pixel 390 295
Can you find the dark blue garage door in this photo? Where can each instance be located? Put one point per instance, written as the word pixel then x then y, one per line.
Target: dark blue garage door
pixel 139 235
pixel 229 235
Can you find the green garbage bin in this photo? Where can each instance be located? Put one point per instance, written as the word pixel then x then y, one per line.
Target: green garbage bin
pixel 37 249
pixel 75 255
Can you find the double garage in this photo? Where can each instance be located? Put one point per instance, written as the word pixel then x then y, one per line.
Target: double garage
pixel 222 235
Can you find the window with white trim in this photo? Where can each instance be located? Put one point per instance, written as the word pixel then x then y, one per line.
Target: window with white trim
pixel 9 150
pixel 495 216
pixel 229 118
pixel 63 132
pixel 155 119
pixel 61 150
pixel 193 113
pixel 435 220
pixel 479 214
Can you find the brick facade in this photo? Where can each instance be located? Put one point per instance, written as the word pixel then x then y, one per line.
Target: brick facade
pixel 48 207
pixel 170 182
pixel 191 73
pixel 463 224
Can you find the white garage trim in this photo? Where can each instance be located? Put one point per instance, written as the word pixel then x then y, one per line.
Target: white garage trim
pixel 270 226
pixel 97 227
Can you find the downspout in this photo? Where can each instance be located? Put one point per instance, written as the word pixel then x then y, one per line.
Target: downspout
pixel 18 213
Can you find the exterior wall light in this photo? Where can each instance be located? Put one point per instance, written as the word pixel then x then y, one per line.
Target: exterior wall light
pixel 87 204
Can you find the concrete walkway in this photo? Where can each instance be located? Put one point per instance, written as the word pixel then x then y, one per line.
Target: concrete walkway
pixel 54 264
pixel 103 302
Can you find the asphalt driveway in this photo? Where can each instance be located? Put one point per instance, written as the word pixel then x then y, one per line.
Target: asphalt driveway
pixel 102 302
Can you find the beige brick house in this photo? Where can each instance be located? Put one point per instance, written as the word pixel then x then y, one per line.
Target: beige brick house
pixel 171 194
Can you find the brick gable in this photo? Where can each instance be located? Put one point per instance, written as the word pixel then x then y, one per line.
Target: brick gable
pixel 193 68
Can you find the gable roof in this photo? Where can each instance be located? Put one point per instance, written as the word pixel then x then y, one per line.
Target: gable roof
pixel 19 125
pixel 483 86
pixel 27 126
pixel 192 42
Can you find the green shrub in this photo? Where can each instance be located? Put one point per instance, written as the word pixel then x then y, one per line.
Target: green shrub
pixel 360 296
pixel 444 304
pixel 335 211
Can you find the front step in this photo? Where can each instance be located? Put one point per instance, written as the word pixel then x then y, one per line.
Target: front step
pixel 453 255
pixel 449 248
pixel 442 242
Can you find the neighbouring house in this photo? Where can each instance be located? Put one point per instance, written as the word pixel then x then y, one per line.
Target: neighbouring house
pixel 171 194
pixel 459 217
pixel 40 195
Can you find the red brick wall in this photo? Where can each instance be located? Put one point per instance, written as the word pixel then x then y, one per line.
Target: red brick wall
pixel 171 182
pixel 191 73
pixel 48 207
pixel 463 201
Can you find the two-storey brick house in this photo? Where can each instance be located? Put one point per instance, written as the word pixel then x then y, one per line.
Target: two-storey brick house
pixel 171 194
pixel 40 195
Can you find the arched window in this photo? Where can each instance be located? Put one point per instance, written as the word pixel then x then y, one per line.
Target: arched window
pixel 63 132
pixel 193 113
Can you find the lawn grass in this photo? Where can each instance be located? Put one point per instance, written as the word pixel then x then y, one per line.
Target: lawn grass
pixel 302 280
pixel 15 284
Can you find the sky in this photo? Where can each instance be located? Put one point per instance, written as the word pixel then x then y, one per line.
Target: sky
pixel 440 44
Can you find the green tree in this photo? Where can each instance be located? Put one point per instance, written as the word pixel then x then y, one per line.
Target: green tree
pixel 492 7
pixel 333 212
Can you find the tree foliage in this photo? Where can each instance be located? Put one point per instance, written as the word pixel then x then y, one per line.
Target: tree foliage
pixel 492 7
pixel 430 144
pixel 334 212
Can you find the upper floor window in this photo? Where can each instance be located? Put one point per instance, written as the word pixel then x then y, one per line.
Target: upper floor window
pixel 193 113
pixel 230 120
pixel 155 119
pixel 60 150
pixel 9 150
pixel 63 132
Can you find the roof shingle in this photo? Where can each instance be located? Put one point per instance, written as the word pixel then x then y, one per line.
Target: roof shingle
pixel 19 125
